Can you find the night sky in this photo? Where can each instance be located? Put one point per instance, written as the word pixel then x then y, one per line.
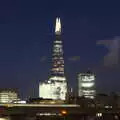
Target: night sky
pixel 91 36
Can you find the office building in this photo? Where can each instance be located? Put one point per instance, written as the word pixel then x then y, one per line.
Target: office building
pixel 86 84
pixel 8 95
pixel 56 85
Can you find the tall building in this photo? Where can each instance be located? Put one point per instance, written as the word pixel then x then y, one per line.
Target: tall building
pixel 56 86
pixel 8 95
pixel 86 84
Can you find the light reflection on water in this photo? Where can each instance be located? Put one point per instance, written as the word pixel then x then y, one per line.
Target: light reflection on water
pixel 18 118
pixel 73 118
pixel 34 118
pixel 5 118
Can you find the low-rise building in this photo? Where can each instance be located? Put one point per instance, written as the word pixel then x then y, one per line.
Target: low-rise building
pixel 8 95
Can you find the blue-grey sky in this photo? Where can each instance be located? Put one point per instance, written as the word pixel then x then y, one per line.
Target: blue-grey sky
pixel 91 39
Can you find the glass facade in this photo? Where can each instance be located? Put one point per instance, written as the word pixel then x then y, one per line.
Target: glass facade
pixel 86 85
pixel 56 86
pixel 8 96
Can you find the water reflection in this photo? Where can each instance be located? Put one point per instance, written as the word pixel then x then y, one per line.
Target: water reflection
pixel 5 118
pixel 79 117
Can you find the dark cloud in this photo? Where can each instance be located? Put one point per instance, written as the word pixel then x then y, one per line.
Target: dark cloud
pixel 113 46
pixel 74 58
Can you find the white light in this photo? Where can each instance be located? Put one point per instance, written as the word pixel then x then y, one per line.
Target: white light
pixel 87 84
pixel 116 117
pixel 8 96
pixel 58 46
pixel 99 114
pixel 46 114
pixel 20 102
pixel 58 26
pixel 107 106
pixel 56 41
pixel 57 78
pixel 5 118
pixel 54 90
pixel 89 91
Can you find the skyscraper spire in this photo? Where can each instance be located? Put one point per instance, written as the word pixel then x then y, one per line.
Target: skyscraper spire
pixel 58 26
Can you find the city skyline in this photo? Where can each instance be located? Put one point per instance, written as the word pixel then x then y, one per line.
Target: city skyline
pixel 91 40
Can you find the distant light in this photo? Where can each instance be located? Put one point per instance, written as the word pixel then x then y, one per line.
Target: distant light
pixel 99 114
pixel 87 84
pixel 64 112
pixel 58 26
pixel 108 106
pixel 116 117
pixel 5 118
pixel 47 114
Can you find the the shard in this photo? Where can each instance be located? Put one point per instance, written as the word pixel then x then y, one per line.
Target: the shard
pixel 56 85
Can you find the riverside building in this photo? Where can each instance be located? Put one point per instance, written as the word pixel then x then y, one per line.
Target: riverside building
pixel 86 84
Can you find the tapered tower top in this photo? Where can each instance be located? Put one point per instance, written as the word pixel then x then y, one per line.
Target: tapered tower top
pixel 58 26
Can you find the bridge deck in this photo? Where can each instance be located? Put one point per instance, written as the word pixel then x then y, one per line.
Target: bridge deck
pixel 40 105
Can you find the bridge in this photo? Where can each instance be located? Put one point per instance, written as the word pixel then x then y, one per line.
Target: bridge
pixel 51 110
pixel 41 109
pixel 40 105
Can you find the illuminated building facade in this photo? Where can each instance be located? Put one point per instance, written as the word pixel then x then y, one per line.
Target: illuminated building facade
pixel 56 86
pixel 86 85
pixel 8 95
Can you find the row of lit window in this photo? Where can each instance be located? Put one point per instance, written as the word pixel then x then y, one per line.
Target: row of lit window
pixel 57 58
pixel 88 92
pixel 55 65
pixel 87 84
pixel 58 69
pixel 57 41
pixel 58 62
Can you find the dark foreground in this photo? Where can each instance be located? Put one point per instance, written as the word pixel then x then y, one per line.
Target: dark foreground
pixel 69 117
pixel 56 112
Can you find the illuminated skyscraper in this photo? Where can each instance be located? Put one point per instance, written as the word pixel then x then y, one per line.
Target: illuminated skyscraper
pixel 86 85
pixel 57 57
pixel 56 86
